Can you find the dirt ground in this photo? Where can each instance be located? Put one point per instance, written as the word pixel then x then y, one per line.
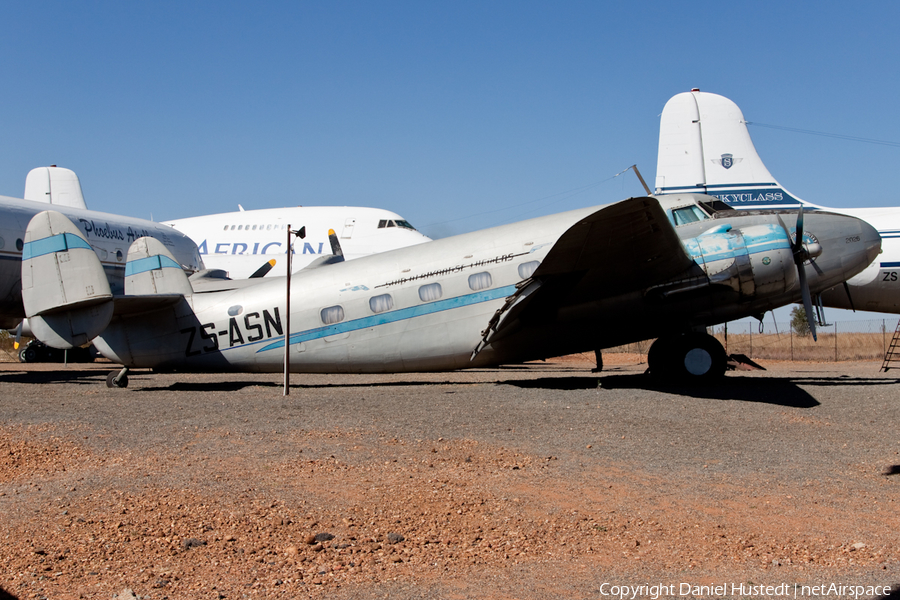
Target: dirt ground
pixel 532 481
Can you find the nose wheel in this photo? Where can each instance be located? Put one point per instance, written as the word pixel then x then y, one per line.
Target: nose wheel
pixel 690 357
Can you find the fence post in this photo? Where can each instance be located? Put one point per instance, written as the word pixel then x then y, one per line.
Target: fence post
pixel 835 341
pixel 792 342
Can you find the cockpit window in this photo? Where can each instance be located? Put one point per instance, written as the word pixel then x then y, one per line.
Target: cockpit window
pixel 687 214
pixel 395 223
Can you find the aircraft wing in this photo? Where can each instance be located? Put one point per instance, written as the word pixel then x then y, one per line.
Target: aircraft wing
pixel 624 247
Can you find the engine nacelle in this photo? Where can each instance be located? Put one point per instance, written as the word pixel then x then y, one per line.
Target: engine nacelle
pixel 754 261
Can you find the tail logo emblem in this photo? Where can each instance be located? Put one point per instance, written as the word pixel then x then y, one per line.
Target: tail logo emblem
pixel 727 160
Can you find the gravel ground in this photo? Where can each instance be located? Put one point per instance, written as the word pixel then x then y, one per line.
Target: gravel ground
pixel 533 481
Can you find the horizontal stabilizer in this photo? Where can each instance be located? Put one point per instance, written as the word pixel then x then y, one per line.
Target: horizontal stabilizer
pixel 151 270
pixel 64 289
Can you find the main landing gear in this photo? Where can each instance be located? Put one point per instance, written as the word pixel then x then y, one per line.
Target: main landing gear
pixel 689 356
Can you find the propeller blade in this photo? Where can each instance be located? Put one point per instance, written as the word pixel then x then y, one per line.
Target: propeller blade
pixel 807 301
pixel 798 243
pixel 849 297
pixel 263 270
pixel 18 335
pixel 335 244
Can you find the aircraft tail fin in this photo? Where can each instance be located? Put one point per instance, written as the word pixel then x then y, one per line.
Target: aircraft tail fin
pixel 152 270
pixel 54 185
pixel 705 147
pixel 65 291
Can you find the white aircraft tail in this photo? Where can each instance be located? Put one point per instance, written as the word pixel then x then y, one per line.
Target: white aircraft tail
pixel 54 185
pixel 65 292
pixel 704 147
pixel 151 270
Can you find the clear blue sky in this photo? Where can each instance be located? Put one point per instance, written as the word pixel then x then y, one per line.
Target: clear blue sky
pixel 457 115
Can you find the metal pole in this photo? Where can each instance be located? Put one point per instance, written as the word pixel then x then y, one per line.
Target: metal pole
pixel 287 320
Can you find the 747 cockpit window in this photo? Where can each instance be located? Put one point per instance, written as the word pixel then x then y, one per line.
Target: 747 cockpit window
pixel 395 223
pixel 687 214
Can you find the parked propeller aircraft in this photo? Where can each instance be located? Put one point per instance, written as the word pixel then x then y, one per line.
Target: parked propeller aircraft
pixel 705 147
pixel 242 242
pixel 571 282
pixel 107 235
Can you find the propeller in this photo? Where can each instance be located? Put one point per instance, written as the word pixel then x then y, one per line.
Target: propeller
pixel 18 335
pixel 335 244
pixel 802 253
pixel 263 270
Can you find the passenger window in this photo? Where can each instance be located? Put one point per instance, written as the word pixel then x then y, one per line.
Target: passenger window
pixel 268 227
pixel 240 227
pixel 232 227
pixel 430 292
pixel 254 228
pixel 332 314
pixel 480 281
pixel 226 228
pixel 526 270
pixel 381 303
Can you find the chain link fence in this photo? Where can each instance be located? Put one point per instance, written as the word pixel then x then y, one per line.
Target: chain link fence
pixel 840 340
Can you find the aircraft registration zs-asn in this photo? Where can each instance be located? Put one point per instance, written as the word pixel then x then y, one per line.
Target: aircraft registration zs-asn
pixel 107 235
pixel 705 147
pixel 252 243
pixel 571 282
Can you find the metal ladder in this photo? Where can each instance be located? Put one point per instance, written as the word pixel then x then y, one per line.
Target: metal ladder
pixel 893 352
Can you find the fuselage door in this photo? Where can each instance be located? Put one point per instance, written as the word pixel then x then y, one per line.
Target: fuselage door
pixel 348 229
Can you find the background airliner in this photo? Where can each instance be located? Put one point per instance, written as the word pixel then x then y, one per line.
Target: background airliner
pixel 241 242
pixel 704 147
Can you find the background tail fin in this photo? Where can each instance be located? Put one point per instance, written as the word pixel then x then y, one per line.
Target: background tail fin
pixel 54 185
pixel 705 147
pixel 65 291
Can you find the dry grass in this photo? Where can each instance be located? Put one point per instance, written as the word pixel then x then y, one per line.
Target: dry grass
pixel 790 346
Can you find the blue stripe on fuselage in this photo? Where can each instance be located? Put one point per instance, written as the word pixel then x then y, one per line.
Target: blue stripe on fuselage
pixel 390 317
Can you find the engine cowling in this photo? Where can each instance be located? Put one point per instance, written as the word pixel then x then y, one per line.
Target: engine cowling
pixel 754 261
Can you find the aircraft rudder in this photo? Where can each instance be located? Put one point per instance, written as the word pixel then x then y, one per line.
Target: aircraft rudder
pixel 65 291
pixel 705 147
pixel 151 269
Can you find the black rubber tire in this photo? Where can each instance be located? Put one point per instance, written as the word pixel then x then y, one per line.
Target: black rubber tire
pixel 29 354
pixel 112 383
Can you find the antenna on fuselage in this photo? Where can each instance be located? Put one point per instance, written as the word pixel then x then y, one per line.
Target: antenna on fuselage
pixel 641 179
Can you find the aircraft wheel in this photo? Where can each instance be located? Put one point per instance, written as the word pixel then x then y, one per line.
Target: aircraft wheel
pixel 112 383
pixel 29 354
pixel 700 357
pixel 690 357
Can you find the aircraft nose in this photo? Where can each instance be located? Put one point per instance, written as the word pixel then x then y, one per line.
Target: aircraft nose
pixel 848 246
